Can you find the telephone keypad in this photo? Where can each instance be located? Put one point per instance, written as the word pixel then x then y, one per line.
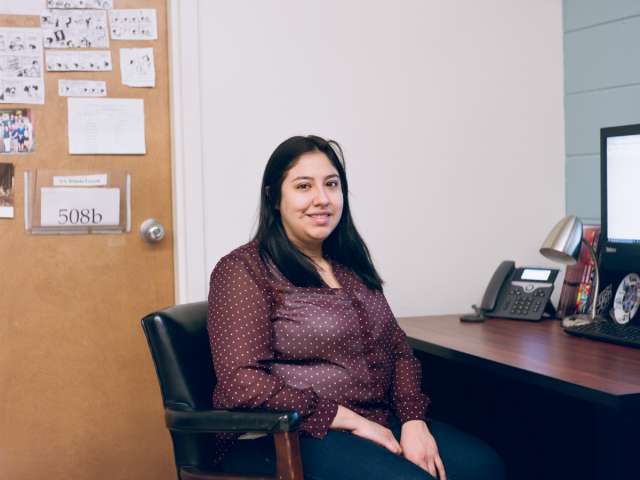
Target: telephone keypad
pixel 523 301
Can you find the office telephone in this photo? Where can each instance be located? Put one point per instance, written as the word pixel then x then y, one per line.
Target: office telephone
pixel 518 293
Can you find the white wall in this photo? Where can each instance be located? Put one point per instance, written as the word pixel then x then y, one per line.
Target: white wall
pixel 450 113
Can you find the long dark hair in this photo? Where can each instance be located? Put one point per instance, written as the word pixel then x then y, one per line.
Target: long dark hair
pixel 344 245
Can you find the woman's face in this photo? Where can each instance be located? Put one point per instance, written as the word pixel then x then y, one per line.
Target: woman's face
pixel 311 200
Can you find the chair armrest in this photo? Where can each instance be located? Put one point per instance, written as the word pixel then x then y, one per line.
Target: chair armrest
pixel 211 421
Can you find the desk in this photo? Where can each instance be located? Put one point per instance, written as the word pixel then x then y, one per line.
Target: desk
pixel 541 355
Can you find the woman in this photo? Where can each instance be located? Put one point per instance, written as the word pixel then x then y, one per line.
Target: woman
pixel 298 321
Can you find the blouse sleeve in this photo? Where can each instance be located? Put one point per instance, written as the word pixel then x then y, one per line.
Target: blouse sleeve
pixel 409 402
pixel 240 333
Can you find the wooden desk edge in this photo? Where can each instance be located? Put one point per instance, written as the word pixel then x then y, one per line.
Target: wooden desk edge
pixel 593 395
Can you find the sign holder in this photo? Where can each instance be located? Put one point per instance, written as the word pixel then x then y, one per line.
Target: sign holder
pixel 61 202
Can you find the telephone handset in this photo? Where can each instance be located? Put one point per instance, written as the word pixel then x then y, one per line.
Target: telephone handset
pixel 518 293
pixel 500 276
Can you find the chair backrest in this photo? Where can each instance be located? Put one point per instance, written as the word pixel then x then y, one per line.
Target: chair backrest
pixel 179 345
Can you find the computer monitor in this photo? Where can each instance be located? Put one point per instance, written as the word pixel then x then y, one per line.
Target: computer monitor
pixel 620 197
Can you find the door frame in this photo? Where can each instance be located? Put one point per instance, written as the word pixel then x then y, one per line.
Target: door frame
pixel 187 160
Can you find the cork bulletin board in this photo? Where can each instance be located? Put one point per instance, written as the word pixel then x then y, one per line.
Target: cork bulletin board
pixel 79 394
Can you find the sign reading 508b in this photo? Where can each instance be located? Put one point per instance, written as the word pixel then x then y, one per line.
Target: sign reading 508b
pixel 78 206
pixel 79 216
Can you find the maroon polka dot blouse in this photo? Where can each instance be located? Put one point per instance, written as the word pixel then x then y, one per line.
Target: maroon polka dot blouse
pixel 279 347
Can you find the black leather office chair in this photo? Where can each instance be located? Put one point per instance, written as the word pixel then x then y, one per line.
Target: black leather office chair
pixel 179 346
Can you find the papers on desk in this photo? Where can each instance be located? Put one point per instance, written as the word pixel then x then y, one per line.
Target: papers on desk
pixel 21 72
pixel 106 126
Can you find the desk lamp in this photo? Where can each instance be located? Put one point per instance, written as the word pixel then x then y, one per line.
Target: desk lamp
pixel 562 245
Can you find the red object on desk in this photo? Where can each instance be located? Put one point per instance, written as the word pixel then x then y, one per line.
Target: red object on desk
pixel 576 287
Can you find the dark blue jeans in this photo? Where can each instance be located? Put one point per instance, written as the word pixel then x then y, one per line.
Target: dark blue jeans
pixel 341 455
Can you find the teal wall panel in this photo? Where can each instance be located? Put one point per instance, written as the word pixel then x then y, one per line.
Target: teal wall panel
pixel 603 56
pixel 587 113
pixel 583 188
pixel 584 13
pixel 602 89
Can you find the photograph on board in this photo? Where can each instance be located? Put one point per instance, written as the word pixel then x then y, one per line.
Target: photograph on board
pixel 16 131
pixel 6 190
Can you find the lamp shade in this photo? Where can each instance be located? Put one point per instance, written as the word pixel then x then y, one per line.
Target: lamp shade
pixel 562 245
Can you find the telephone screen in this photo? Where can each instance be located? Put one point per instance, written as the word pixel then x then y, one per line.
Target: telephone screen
pixel 535 274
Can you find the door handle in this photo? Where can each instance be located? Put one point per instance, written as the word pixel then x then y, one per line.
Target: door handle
pixel 151 230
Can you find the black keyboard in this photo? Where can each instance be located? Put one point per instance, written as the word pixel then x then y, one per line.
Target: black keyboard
pixel 608 332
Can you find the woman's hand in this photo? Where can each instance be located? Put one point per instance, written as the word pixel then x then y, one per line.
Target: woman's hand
pixel 377 433
pixel 358 425
pixel 419 447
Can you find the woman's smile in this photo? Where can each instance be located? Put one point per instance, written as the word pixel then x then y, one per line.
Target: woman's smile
pixel 320 219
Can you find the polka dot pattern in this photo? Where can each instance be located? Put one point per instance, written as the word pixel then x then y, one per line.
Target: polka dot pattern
pixel 279 347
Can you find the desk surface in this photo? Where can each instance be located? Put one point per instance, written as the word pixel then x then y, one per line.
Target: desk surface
pixel 535 352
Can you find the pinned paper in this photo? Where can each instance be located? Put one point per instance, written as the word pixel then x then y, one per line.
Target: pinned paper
pixel 131 24
pixel 82 88
pixel 97 4
pixel 75 29
pixel 21 70
pixel 21 7
pixel 92 61
pixel 137 68
pixel 106 126
pixel 62 206
pixel 95 180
